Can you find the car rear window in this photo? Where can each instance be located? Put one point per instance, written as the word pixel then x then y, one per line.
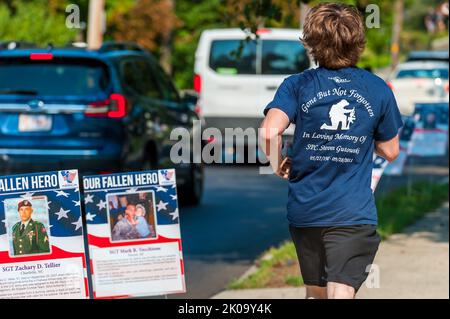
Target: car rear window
pixel 264 57
pixel 423 73
pixel 233 56
pixel 56 77
pixel 428 56
pixel 283 57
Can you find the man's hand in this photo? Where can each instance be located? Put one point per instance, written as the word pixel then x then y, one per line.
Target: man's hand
pixel 284 169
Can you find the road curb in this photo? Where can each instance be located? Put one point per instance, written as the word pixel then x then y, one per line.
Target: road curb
pixel 253 268
pixel 263 293
pixel 248 272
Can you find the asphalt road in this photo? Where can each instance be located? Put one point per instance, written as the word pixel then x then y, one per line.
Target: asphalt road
pixel 243 214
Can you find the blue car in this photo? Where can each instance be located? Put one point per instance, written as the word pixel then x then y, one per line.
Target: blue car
pixel 100 111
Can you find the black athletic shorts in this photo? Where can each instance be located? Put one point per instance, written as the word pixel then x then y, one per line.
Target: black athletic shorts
pixel 339 254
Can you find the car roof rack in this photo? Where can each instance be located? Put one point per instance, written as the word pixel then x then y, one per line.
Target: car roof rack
pixel 110 46
pixel 12 45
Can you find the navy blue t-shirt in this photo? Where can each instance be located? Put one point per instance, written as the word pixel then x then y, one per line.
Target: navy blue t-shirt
pixel 338 115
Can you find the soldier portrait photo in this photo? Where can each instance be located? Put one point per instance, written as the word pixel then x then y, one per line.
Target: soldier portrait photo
pixel 132 216
pixel 28 230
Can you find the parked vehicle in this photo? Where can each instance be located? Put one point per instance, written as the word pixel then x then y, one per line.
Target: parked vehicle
pixel 419 82
pixel 236 78
pixel 100 111
pixel 440 56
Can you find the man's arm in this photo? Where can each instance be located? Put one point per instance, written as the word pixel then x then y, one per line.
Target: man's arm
pixel 388 149
pixel 272 127
pixel 116 232
pixel 42 239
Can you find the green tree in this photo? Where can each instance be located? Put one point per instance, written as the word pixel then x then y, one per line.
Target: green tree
pixel 149 23
pixel 254 14
pixel 40 22
pixel 196 16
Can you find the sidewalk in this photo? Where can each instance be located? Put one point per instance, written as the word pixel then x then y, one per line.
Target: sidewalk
pixel 414 264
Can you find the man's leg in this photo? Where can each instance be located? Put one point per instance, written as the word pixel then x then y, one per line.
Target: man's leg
pixel 349 249
pixel 311 255
pixel 316 292
pixel 337 290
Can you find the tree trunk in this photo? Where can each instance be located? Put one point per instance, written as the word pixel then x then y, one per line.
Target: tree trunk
pixel 166 47
pixel 396 30
pixel 304 8
pixel 96 23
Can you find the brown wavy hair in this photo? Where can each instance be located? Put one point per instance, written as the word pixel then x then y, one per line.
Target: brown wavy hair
pixel 334 35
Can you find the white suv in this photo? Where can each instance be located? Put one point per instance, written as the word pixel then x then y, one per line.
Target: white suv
pixel 236 78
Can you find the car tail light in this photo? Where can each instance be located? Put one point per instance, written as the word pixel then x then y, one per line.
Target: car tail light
pixel 41 56
pixel 446 87
pixel 262 31
pixel 390 85
pixel 197 83
pixel 113 107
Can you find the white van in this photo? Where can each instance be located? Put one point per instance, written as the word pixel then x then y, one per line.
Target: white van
pixel 235 78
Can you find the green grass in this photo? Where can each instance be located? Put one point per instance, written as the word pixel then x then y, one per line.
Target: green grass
pixel 405 205
pixel 283 255
pixel 295 281
pixel 396 210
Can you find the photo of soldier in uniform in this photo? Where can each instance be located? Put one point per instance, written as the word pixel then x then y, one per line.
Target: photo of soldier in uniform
pixel 27 226
pixel 132 216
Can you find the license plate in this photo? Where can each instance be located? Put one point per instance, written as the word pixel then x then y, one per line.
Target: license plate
pixel 35 123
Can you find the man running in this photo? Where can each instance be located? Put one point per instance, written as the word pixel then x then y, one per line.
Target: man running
pixel 331 209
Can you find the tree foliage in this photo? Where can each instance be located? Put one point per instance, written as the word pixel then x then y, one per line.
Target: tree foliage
pixel 178 23
pixel 40 21
pixel 254 14
pixel 196 16
pixel 146 22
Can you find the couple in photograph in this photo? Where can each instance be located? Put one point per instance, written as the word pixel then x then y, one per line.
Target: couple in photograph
pixel 132 225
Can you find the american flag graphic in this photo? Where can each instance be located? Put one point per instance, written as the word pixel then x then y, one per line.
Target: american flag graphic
pixel 168 174
pixel 65 226
pixel 166 218
pixel 64 208
pixel 69 176
pixel 165 201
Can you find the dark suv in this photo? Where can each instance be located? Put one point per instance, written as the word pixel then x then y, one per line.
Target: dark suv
pixel 100 111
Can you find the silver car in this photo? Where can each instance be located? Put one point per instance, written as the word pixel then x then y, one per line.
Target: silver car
pixel 419 82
